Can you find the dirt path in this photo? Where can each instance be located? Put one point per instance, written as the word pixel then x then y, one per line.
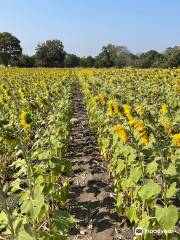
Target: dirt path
pixel 92 202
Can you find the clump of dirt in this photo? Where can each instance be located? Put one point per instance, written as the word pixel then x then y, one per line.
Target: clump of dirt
pixel 92 200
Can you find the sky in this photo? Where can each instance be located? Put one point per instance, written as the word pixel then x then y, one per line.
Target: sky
pixel 84 26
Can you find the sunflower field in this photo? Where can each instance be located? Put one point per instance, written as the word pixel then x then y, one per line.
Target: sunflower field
pixel 35 107
pixel 136 116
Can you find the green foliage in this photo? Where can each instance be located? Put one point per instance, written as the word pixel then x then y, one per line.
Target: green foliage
pixel 10 48
pixel 149 59
pixel 114 56
pixel 71 60
pixel 167 217
pixel 172 57
pixel 50 54
pixel 33 204
pixel 26 61
pixel 87 62
pixel 149 191
pixel 145 172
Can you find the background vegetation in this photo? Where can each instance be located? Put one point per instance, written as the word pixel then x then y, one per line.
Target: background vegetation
pixel 51 53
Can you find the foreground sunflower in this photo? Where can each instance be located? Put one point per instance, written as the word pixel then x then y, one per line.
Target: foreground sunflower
pixel 176 139
pixel 25 119
pixel 121 133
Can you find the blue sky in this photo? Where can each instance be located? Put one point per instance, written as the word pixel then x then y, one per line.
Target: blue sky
pixel 85 26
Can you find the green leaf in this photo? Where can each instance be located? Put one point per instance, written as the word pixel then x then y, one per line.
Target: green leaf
pixel 171 190
pixel 25 233
pixel 38 201
pixel 33 206
pixel 131 213
pixel 27 207
pixel 39 169
pixel 152 203
pixel 132 157
pixel 171 170
pixel 43 155
pixel 3 218
pixel 24 195
pixel 62 221
pixel 43 212
pixel 144 222
pixel 152 167
pixel 167 217
pixel 149 191
pixel 119 203
pixel 105 142
pixel 125 184
pixel 120 167
pixel 135 174
pixel 136 190
pixel 15 185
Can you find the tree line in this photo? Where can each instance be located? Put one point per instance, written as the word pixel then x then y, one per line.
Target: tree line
pixel 51 53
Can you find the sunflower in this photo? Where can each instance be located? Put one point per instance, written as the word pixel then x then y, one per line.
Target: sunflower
pixel 165 108
pixel 127 111
pixel 99 99
pixel 102 99
pixel 25 119
pixel 176 139
pixel 94 100
pixel 166 125
pixel 121 133
pixel 110 108
pixel 116 109
pixel 140 128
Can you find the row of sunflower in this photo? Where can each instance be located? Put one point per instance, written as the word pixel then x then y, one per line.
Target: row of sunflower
pixel 35 112
pixel 136 116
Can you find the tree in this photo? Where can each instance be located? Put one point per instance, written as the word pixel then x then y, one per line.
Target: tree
pixel 50 54
pixel 104 59
pixel 150 59
pixel 10 48
pixel 87 62
pixel 71 60
pixel 172 57
pixel 26 61
pixel 114 56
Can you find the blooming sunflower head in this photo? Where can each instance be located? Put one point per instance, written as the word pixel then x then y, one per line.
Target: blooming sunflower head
pixel 25 119
pixel 176 139
pixel 127 111
pixel 120 131
pixel 110 108
pixel 116 109
pixel 164 108
pixel 102 99
pixel 166 125
pixel 140 129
